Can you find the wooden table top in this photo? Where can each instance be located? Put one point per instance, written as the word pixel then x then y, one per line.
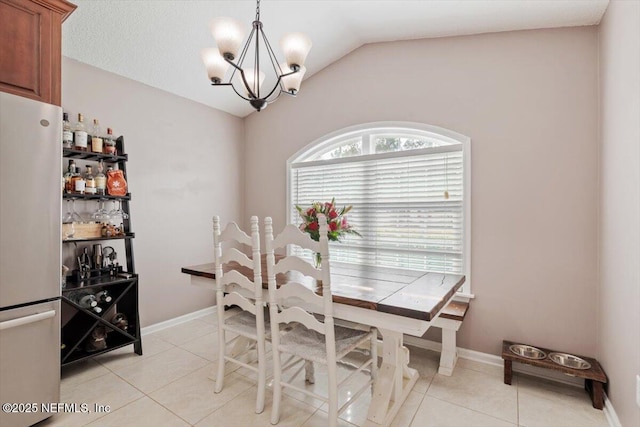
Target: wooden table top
pixel 408 293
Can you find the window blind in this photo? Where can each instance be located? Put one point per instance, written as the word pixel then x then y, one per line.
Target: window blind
pixel 399 206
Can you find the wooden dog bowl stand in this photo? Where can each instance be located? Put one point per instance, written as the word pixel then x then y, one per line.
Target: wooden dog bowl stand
pixel 594 377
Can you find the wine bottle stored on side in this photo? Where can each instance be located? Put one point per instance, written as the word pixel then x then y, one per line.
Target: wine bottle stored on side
pixel 83 298
pixel 103 297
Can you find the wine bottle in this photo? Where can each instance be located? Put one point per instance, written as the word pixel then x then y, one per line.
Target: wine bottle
pixel 120 320
pixel 97 339
pixel 83 298
pixel 103 297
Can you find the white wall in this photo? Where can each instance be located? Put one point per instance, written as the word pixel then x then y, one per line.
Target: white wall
pixel 528 100
pixel 185 166
pixel 619 302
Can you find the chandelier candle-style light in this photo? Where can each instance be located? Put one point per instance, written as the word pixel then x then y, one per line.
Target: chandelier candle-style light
pixel 228 34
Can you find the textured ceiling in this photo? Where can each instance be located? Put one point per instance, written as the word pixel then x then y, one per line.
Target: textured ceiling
pixel 158 42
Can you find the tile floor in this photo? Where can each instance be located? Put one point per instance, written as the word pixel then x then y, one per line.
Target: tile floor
pixel 170 386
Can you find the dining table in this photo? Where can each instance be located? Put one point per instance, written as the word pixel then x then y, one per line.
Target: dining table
pixel 393 300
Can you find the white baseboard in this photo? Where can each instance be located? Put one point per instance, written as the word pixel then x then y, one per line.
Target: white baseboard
pixel 610 413
pixel 176 321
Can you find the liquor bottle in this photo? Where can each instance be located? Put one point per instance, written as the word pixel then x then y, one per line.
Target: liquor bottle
pixel 68 184
pixel 110 143
pixel 90 182
pixel 103 297
pixel 67 133
pixel 101 180
pixel 96 137
pixel 79 183
pixel 80 135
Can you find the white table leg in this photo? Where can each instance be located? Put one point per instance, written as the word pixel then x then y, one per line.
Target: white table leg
pixel 449 355
pixel 395 379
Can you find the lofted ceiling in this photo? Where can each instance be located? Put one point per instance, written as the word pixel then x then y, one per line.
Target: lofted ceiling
pixel 158 42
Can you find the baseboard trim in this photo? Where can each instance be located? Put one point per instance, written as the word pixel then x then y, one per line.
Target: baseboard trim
pixel 610 413
pixel 176 321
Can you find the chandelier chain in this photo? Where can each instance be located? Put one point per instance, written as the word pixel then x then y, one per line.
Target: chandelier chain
pixel 257 10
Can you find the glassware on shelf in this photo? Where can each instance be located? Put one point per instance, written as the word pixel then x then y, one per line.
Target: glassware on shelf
pixel 76 216
pixel 118 216
pixel 68 230
pixel 100 214
pixel 71 216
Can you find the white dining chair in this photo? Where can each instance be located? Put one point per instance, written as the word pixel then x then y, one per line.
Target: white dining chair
pixel 312 334
pixel 241 286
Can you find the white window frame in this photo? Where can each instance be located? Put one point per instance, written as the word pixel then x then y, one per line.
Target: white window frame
pixel 366 130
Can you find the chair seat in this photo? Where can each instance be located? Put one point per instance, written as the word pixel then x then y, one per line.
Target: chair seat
pixel 311 345
pixel 244 323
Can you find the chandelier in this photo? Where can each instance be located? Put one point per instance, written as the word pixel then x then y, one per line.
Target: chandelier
pixel 228 34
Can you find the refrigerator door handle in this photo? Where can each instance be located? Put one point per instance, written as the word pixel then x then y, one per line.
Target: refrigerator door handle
pixel 26 320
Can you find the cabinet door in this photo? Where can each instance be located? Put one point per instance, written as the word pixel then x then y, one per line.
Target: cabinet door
pixel 30 47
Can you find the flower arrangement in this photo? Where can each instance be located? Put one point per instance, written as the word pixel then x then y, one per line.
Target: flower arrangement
pixel 336 220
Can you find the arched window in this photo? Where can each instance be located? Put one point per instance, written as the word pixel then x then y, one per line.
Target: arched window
pixel 409 185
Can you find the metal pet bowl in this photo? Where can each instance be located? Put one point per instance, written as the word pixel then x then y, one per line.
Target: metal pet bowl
pixel 527 351
pixel 569 361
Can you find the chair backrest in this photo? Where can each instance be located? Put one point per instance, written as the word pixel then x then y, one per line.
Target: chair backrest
pixel 297 299
pixel 243 286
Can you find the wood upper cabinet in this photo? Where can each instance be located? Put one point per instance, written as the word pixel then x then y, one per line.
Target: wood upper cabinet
pixel 31 47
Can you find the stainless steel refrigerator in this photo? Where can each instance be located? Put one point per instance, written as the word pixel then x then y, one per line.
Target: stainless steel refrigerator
pixel 30 256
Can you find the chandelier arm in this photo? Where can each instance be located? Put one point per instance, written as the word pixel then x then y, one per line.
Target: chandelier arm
pixel 244 80
pixel 256 68
pixel 273 58
pixel 242 55
pixel 238 93
pixel 275 98
pixel 276 86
